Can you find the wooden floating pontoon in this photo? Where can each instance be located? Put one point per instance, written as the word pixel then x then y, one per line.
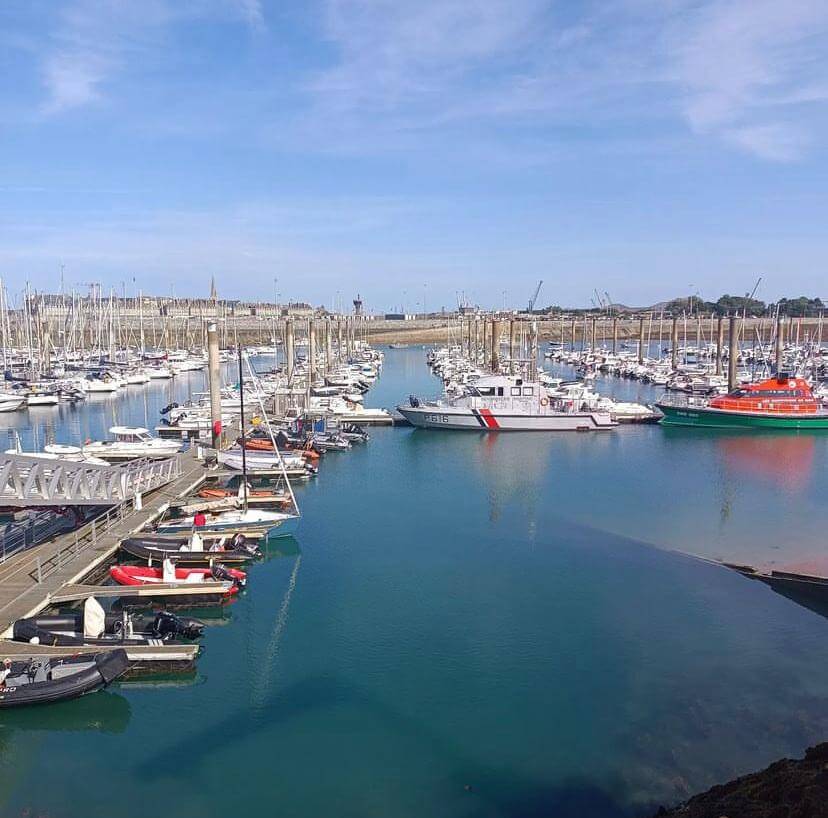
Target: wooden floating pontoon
pixel 164 656
pixel 72 593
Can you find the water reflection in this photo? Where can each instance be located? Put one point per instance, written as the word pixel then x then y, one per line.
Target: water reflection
pixel 510 466
pixel 786 461
pixel 91 419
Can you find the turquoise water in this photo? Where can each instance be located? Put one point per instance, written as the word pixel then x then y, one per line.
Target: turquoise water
pixel 473 626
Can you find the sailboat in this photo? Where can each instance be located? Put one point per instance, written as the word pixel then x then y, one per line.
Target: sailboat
pixel 245 520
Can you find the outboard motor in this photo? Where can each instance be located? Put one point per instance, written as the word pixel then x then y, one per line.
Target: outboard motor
pixel 240 543
pixel 221 574
pixel 167 625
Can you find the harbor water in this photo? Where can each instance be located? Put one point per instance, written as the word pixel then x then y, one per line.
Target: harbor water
pixel 468 625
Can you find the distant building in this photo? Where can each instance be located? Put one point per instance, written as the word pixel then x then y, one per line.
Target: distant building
pixel 399 316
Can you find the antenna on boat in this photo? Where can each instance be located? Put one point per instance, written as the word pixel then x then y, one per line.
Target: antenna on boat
pixel 243 449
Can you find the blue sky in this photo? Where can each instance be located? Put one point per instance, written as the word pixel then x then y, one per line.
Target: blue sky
pixel 414 151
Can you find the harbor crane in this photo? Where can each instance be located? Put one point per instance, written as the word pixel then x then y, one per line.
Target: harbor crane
pixel 534 298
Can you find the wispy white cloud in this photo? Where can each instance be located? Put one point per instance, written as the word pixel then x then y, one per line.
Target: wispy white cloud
pixel 95 40
pixel 779 142
pixel 443 74
pixel 390 50
pixel 73 79
pixel 741 71
pixel 252 12
pixel 747 68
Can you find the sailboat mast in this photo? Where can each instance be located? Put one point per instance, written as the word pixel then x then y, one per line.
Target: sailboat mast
pixel 141 321
pixel 243 449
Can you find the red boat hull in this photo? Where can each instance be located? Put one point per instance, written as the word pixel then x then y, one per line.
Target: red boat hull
pixel 143 575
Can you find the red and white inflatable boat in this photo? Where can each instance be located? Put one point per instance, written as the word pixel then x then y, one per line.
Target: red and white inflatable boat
pixel 143 575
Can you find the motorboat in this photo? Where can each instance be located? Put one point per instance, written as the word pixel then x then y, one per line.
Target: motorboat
pixel 171 574
pixel 781 402
pixel 159 373
pixel 258 461
pixel 48 679
pixel 94 384
pixel 331 442
pixel 353 433
pixel 11 402
pixel 191 550
pixel 584 397
pixel 93 626
pixel 137 377
pixel 58 451
pixel 247 521
pixel 131 443
pixel 504 403
pixel 351 411
pixel 42 397
pixel 73 453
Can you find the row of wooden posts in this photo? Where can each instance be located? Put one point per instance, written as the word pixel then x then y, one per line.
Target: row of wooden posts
pixel 480 342
pixel 345 331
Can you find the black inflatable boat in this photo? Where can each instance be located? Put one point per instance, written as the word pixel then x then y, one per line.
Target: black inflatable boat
pixel 89 628
pixel 52 679
pixel 155 548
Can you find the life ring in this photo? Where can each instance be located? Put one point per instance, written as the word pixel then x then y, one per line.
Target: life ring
pixel 544 401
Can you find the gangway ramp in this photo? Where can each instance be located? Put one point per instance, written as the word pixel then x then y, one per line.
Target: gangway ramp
pixel 28 481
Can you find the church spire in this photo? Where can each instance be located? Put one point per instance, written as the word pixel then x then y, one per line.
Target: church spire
pixel 213 294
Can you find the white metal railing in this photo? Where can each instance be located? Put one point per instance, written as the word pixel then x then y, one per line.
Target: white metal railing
pixel 84 537
pixel 27 481
pixel 681 400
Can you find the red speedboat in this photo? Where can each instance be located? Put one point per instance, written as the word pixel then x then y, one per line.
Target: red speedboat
pixel 143 575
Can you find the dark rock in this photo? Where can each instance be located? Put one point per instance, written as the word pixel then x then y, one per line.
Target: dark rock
pixel 790 788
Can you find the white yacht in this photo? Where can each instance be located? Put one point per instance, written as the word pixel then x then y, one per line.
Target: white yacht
pixel 58 451
pixel 42 397
pixel 131 443
pixel 137 377
pixel 10 402
pixel 98 385
pixel 504 403
pixel 261 460
pixel 159 373
pixel 351 411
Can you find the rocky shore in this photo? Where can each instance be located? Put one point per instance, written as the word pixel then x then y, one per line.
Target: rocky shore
pixel 790 788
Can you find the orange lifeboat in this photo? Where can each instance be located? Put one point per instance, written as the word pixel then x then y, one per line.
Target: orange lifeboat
pixel 780 395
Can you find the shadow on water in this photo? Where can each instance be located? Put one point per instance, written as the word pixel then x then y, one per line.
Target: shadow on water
pixel 275 547
pixel 504 790
pixel 810 595
pixel 819 605
pixel 105 712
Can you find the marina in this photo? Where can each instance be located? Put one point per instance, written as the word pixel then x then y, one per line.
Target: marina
pixel 589 549
pixel 413 409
